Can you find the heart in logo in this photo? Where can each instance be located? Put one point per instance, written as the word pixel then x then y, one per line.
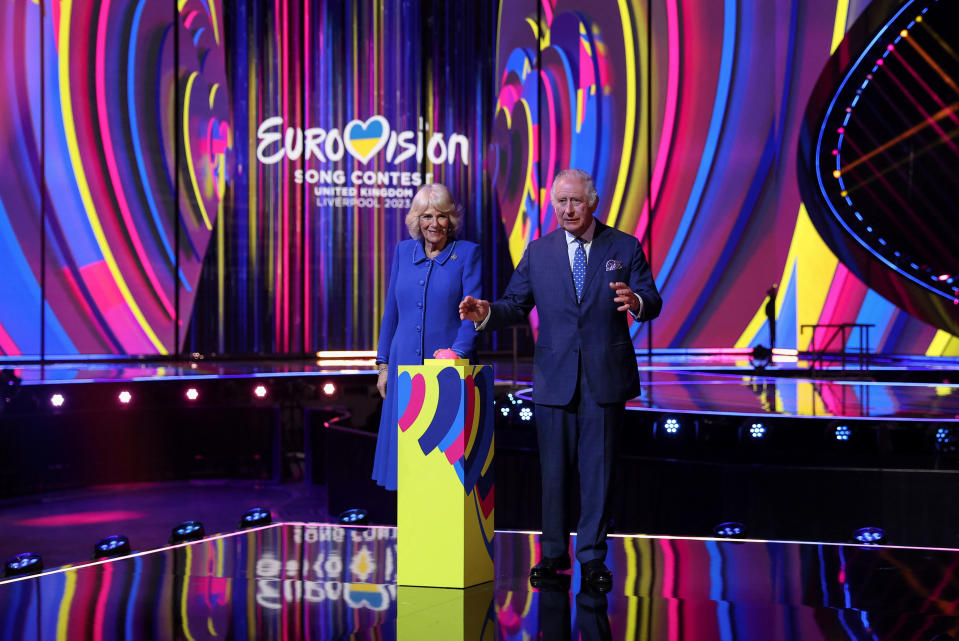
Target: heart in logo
pixel 364 139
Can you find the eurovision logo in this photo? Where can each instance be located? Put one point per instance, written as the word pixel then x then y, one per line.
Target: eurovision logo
pixel 361 139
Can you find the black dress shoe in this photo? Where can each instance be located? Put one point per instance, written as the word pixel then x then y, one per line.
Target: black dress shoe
pixel 548 566
pixel 598 575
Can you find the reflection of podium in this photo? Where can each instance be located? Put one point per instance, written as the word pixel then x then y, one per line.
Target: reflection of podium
pixel 445 477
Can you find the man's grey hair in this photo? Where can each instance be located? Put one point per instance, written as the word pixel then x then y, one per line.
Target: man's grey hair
pixel 578 174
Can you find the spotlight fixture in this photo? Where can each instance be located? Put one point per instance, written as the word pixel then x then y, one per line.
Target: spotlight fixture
pixel 125 397
pixel 355 516
pixel 869 536
pixel 192 394
pixel 842 433
pixel 730 530
pixel 57 400
pixel 671 425
pixel 504 410
pixel 9 384
pixel 255 517
pixel 187 531
pixel 259 391
pixel 329 389
pixel 116 545
pixel 757 430
pixel 946 440
pixel 526 414
pixel 22 565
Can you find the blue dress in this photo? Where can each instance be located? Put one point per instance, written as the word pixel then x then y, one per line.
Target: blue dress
pixel 421 315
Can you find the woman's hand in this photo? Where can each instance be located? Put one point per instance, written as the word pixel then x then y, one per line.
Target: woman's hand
pixel 381 381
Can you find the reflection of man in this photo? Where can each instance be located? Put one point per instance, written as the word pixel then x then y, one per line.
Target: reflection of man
pixel 582 279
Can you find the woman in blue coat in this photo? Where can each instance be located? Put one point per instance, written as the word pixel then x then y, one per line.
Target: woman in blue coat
pixel 431 274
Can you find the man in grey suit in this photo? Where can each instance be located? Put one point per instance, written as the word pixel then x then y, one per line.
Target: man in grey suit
pixel 583 279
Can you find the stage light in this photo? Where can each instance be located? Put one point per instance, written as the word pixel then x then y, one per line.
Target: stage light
pixel 730 530
pixel 842 433
pixel 757 430
pixel 946 440
pixel 355 516
pixel 504 410
pixel 526 414
pixel 255 517
pixel 192 394
pixel 671 425
pixel 514 400
pixel 9 384
pixel 57 400
pixel 187 531
pixel 260 391
pixel 869 536
pixel 116 545
pixel 329 389
pixel 125 397
pixel 22 565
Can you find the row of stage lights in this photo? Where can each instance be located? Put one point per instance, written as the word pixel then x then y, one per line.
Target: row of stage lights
pixel 118 545
pixel 259 392
pixel 946 438
pixel 869 535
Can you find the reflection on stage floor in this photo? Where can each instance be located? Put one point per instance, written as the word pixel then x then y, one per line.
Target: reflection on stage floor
pixel 314 581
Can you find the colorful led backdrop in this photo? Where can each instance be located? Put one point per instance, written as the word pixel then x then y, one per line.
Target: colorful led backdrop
pixel 231 178
pixel 688 113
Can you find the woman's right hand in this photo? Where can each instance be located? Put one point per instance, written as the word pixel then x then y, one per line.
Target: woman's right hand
pixel 381 381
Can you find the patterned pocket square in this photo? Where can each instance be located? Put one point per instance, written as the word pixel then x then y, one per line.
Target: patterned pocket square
pixel 612 265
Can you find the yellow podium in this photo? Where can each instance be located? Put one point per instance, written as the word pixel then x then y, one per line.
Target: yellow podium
pixel 445 474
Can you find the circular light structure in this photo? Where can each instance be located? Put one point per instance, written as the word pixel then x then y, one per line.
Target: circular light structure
pixel 187 531
pixel 57 400
pixel 192 394
pixel 116 545
pixel 255 517
pixel 757 430
pixel 526 414
pixel 125 397
pixel 329 389
pixel 23 564
pixel 869 535
pixel 355 516
pixel 259 391
pixel 671 426
pixel 730 530
pixel 504 410
pixel 842 433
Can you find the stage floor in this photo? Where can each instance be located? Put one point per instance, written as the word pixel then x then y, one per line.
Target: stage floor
pixel 320 582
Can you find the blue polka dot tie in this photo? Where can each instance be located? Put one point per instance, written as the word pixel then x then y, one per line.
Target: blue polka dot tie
pixel 579 269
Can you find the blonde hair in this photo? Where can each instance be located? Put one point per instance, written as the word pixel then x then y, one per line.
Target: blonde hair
pixel 438 197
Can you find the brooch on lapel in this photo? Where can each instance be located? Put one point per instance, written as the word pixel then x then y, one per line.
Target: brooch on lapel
pixel 612 265
pixel 453 256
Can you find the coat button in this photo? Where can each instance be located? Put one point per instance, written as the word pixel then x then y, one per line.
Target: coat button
pixel 417 352
pixel 418 328
pixel 422 282
pixel 419 304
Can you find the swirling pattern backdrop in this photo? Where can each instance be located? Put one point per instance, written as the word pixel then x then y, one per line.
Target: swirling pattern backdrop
pixel 687 112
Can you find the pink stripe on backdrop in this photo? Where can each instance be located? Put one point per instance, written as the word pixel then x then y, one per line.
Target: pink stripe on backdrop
pixel 672 94
pixel 107 147
pixel 7 346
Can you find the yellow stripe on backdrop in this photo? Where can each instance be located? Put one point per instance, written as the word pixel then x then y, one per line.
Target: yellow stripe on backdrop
pixel 84 188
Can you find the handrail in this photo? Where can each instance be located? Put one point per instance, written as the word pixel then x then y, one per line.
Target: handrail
pixel 841 330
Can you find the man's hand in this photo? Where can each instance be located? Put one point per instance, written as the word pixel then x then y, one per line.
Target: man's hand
pixel 624 295
pixel 381 382
pixel 474 309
